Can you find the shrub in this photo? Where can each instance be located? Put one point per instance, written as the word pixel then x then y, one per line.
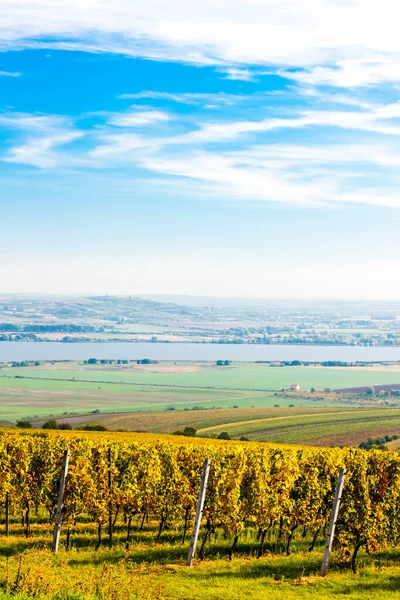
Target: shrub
pixel 51 424
pixel 65 426
pixel 188 432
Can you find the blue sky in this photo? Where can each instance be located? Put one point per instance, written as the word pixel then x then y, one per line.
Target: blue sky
pixel 210 148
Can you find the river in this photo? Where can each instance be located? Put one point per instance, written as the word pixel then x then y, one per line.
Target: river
pixel 18 351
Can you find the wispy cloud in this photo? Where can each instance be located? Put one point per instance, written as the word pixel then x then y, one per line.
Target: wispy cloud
pixel 345 44
pixel 42 134
pixel 285 180
pixel 351 73
pixel 239 74
pixel 187 97
pixel 33 122
pixel 9 74
pixel 137 118
pixel 230 158
pixel 39 152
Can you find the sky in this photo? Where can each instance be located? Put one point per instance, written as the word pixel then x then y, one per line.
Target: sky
pixel 246 148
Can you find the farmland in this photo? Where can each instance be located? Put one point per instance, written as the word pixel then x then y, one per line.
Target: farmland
pixel 318 426
pixel 242 376
pixel 242 399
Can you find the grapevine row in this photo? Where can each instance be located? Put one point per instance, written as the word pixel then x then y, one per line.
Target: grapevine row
pixel 250 485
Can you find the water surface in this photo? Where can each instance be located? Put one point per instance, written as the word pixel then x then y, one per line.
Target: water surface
pixel 18 351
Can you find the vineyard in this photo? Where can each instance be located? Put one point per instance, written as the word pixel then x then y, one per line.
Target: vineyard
pixel 276 492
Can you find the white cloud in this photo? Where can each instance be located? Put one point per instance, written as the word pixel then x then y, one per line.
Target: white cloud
pixel 39 152
pixel 347 44
pixel 239 74
pixel 187 97
pixel 33 122
pixel 351 73
pixel 132 119
pixel 9 74
pixel 254 169
pixel 42 134
pixel 119 147
pixel 378 119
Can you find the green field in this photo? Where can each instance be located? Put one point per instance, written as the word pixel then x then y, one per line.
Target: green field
pixel 66 389
pixel 240 376
pixel 35 398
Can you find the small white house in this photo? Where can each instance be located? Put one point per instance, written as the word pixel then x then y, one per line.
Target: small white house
pixel 294 387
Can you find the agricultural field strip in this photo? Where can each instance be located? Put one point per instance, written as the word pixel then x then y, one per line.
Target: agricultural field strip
pixel 343 434
pixel 166 422
pixel 140 384
pixel 255 377
pixel 238 423
pixel 301 422
pixel 35 385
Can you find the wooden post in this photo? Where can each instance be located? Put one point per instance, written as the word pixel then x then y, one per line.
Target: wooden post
pixel 7 515
pixel 57 528
pixel 332 522
pixel 110 482
pixel 8 503
pixel 199 512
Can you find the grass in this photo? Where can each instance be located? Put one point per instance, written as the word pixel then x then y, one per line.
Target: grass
pixel 38 398
pixel 149 571
pixel 207 375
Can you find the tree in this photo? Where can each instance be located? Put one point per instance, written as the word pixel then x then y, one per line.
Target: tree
pixel 190 431
pixel 327 390
pixel 370 391
pixel 24 424
pixel 92 361
pixel 224 435
pixel 51 424
pixel 89 427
